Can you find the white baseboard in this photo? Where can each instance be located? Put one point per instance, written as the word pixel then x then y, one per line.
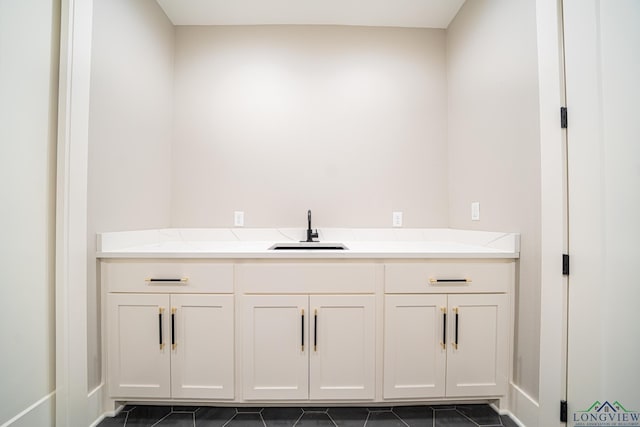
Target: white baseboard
pixel 96 411
pixel 94 405
pixel 41 413
pixel 524 410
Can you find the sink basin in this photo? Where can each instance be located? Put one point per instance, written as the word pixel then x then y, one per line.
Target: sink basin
pixel 323 246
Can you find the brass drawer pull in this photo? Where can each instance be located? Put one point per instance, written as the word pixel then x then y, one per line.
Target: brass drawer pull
pixel 433 280
pixel 315 330
pixel 173 328
pixel 153 280
pixel 160 313
pixel 302 330
pixel 455 340
pixel 444 328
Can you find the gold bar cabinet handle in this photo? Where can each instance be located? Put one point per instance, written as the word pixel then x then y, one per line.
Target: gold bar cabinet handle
pixel 443 343
pixel 302 329
pixel 434 281
pixel 158 280
pixel 160 313
pixel 455 340
pixel 315 330
pixel 173 328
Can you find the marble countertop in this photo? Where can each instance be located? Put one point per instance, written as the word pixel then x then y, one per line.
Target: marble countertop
pixel 255 243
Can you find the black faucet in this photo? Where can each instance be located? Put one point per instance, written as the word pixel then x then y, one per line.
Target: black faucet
pixel 310 233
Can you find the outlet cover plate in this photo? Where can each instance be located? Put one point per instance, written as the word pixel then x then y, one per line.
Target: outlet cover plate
pixel 238 219
pixel 475 211
pixel 397 219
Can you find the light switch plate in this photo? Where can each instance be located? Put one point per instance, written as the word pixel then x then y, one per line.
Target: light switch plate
pixel 397 219
pixel 475 211
pixel 238 219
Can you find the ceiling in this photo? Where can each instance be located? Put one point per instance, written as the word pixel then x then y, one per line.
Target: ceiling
pixel 384 13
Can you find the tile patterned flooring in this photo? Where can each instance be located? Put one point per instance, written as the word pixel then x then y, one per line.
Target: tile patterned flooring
pixel 398 416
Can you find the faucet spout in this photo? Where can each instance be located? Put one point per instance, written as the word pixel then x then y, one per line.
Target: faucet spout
pixel 310 233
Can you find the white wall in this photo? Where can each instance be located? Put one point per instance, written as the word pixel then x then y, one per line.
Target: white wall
pixel 28 84
pixel 347 121
pixel 130 127
pixel 494 146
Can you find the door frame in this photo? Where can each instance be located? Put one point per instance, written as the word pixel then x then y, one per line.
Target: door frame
pixel 602 90
pixel 73 400
pixel 553 227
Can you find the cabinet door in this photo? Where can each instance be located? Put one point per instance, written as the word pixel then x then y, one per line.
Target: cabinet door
pixel 275 362
pixel 139 354
pixel 342 341
pixel 477 355
pixel 414 348
pixel 202 347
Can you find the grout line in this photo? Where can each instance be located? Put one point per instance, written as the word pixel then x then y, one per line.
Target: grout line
pixel 161 419
pixel 502 420
pixel 331 418
pixel 367 420
pixel 229 420
pixel 298 420
pixel 401 420
pixel 193 417
pixel 492 425
pixel 470 419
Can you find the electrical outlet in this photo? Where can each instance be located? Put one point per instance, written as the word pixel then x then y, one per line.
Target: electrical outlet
pixel 238 219
pixel 475 211
pixel 397 219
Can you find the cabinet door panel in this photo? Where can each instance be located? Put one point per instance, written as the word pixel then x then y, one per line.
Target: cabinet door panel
pixel 275 363
pixel 343 364
pixel 138 365
pixel 414 359
pixel 202 358
pixel 478 365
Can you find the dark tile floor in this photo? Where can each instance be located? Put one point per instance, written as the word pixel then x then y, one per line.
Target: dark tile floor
pixel 400 416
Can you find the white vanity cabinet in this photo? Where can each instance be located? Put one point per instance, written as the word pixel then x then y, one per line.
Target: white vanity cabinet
pixel 310 345
pixel 307 330
pixel 139 358
pixel 414 360
pixel 170 345
pixel 477 356
pixel 342 347
pixel 447 327
pixel 202 351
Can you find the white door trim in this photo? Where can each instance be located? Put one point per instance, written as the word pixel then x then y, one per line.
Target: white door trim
pixel 71 213
pixel 554 231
